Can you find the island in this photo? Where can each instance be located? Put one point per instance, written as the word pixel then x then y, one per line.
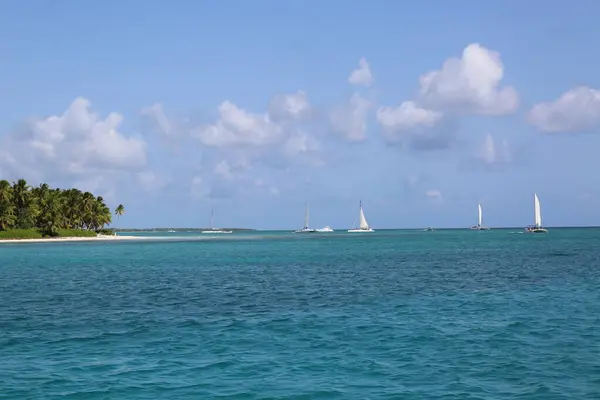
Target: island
pixel 43 212
pixel 179 229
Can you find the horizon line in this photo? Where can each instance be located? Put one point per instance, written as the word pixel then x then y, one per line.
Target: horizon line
pixel 380 229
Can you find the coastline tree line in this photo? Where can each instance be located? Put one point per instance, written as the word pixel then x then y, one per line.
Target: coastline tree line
pixel 51 210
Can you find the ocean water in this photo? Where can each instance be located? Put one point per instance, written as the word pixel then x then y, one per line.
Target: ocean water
pixel 392 315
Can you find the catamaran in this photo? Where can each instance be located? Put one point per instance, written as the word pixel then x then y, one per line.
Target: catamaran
pixel 212 225
pixel 363 226
pixel 479 226
pixel 537 216
pixel 305 229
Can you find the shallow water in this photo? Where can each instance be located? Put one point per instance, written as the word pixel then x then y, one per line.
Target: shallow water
pixel 389 315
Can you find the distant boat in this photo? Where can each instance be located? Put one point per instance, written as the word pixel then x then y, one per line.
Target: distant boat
pixel 537 216
pixel 306 229
pixel 212 225
pixel 171 230
pixel 479 226
pixel 363 226
pixel 325 229
pixel 429 229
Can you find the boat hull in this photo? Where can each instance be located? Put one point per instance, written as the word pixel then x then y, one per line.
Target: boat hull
pixel 211 232
pixel 537 230
pixel 306 231
pixel 360 230
pixel 479 228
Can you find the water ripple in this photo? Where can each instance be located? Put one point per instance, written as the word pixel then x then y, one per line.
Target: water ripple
pixel 394 315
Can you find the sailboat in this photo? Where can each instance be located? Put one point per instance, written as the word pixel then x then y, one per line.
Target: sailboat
pixel 305 229
pixel 363 226
pixel 537 215
pixel 479 226
pixel 212 225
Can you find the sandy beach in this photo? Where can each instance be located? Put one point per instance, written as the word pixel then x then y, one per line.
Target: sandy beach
pixel 72 239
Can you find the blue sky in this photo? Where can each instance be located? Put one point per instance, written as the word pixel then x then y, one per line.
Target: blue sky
pixel 419 109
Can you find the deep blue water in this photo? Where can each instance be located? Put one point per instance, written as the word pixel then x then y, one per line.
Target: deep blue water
pixel 390 315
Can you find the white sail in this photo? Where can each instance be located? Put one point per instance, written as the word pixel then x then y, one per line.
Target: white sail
pixel 306 216
pixel 363 225
pixel 537 211
pixel 362 221
pixel 479 216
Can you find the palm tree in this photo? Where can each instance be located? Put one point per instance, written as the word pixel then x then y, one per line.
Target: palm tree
pixel 120 210
pixel 50 209
pixel 7 209
pixel 22 199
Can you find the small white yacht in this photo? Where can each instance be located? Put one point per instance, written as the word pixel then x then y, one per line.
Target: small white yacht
pixel 306 229
pixel 212 229
pixel 325 229
pixel 537 216
pixel 479 226
pixel 363 226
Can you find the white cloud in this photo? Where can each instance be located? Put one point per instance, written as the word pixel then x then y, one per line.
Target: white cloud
pixel 236 126
pixel 362 75
pixel 406 117
pixel 577 110
pixel 223 170
pixel 470 84
pixel 350 120
pixel 490 152
pixel 294 105
pixel 414 126
pixel 74 143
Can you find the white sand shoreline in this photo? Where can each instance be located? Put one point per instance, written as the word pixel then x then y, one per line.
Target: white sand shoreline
pixel 73 239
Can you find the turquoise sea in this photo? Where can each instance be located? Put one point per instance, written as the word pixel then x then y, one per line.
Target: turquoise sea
pixel 450 314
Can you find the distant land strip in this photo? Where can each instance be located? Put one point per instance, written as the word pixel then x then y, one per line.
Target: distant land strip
pixel 177 229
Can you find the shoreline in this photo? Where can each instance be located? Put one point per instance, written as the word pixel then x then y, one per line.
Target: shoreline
pixel 72 239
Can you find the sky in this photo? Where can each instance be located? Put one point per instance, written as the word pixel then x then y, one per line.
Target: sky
pixel 419 109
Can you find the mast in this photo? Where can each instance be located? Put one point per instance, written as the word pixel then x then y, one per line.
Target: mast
pixel 306 216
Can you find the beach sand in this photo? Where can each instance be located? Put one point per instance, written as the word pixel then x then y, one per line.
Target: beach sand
pixel 72 239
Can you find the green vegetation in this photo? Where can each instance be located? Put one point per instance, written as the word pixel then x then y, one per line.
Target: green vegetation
pixel 34 233
pixel 30 213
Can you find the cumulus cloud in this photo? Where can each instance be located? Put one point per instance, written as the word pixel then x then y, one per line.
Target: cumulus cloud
pixel 362 75
pixel 292 105
pixel 243 142
pixel 236 126
pixel 77 142
pixel 469 84
pixel 406 117
pixel 577 110
pixel 412 125
pixel 350 120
